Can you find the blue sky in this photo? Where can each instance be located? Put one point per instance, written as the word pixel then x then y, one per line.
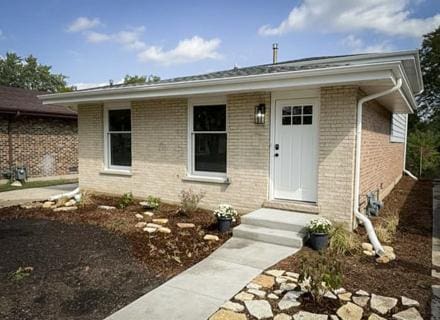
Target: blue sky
pixel 94 41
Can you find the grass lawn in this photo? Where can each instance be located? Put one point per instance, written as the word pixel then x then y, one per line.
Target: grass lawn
pixel 36 184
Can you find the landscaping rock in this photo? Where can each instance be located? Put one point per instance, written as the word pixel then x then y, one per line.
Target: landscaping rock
pixel 361 301
pixel 362 293
pixel 280 280
pixel 374 316
pixel 258 293
pixel 346 296
pixel 183 225
pixel 382 304
pixel 407 302
pixel 160 221
pixel 164 230
pixel 233 306
pixel 330 295
pixel 16 183
pixel 282 316
pixel 289 300
pixel 227 315
pixel 304 315
pixel 70 203
pixel 368 253
pixel 287 286
pixel 388 249
pixel 103 207
pixel 264 281
pixel 292 274
pixel 367 246
pixel 274 272
pixel 148 213
pixel 334 317
pixel 350 311
pixel 244 296
pixel 48 204
pixel 252 285
pixel 211 237
pixel 154 225
pixel 139 216
pixel 140 224
pixel 150 229
pixel 383 259
pixel 409 314
pixel 272 296
pixel 260 309
pixel 65 209
pixel 339 291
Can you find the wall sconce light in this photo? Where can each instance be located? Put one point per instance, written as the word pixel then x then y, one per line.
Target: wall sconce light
pixel 260 112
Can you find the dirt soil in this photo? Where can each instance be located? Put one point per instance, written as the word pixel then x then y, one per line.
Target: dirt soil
pixel 410 273
pixel 91 262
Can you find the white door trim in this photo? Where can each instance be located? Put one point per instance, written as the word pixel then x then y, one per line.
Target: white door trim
pixel 310 94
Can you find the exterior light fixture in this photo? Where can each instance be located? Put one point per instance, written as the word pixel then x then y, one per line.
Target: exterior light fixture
pixel 260 112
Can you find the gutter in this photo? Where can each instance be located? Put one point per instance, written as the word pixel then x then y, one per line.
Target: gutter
pixel 367 223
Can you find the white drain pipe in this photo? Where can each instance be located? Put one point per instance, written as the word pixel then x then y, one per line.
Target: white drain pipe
pixel 407 172
pixel 367 223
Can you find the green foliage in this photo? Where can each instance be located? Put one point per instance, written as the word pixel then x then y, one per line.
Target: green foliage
pixel 28 73
pixel 189 201
pixel 423 155
pixel 343 242
pixel 319 225
pixel 140 79
pixel 20 273
pixel 153 202
pixel 320 274
pixel 125 200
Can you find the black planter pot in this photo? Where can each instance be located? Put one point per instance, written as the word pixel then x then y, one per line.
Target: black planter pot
pixel 224 224
pixel 318 241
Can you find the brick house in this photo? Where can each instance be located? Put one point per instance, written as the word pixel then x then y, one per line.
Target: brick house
pixel 310 135
pixel 44 139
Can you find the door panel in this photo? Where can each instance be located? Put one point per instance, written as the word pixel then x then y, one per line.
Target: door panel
pixel 295 162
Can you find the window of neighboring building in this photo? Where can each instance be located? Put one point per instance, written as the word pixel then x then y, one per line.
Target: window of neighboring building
pixel 398 127
pixel 208 140
pixel 118 138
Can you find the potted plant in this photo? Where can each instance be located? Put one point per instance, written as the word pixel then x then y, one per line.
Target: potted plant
pixel 319 229
pixel 225 216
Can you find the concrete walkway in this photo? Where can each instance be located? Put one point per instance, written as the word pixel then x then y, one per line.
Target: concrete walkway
pixel 16 197
pixel 198 292
pixel 435 303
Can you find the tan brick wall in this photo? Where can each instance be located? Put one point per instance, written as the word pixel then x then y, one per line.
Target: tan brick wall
pixel 159 148
pixel 336 153
pixel 381 160
pixel 46 146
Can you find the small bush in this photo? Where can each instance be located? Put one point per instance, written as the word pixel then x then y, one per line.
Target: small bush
pixel 125 200
pixel 383 234
pixel 152 202
pixel 387 228
pixel 189 201
pixel 86 199
pixel 343 242
pixel 320 274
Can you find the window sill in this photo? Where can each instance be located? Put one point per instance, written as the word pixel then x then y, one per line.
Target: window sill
pixel 116 172
pixel 219 180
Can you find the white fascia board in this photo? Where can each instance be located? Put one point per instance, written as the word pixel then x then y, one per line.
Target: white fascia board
pixel 405 91
pixel 315 77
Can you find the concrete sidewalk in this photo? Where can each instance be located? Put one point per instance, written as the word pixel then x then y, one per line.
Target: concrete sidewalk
pixel 198 292
pixel 16 197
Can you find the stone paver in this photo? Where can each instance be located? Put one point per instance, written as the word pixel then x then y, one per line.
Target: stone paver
pixel 233 306
pixel 407 302
pixel 350 311
pixel 303 315
pixel 289 300
pixel 382 304
pixel 227 315
pixel 409 314
pixel 260 309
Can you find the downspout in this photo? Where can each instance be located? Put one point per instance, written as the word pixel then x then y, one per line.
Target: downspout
pixel 407 172
pixel 367 223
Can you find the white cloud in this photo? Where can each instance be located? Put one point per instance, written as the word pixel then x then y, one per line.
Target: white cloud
pixel 96 37
pixel 187 50
pixel 129 39
pixel 83 23
pixel 357 45
pixel 391 17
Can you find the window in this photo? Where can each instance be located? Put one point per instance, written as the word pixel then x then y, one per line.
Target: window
pixel 208 140
pixel 118 138
pixel 297 115
pixel 398 127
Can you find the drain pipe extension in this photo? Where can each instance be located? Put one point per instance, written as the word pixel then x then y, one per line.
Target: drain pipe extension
pixel 69 195
pixel 367 223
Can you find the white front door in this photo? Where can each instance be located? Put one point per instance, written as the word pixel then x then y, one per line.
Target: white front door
pixel 295 150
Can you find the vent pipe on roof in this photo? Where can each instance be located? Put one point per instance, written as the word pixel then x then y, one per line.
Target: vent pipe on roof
pixel 275 53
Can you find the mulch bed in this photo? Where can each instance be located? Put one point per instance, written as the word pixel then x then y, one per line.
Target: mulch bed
pixel 91 262
pixel 410 273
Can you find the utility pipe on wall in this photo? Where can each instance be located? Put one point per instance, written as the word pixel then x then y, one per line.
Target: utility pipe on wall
pixel 367 223
pixel 407 172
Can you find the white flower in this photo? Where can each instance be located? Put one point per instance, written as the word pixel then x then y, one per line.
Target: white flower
pixel 225 211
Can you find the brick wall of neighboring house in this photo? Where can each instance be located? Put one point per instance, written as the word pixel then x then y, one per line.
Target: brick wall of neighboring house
pixel 381 159
pixel 46 146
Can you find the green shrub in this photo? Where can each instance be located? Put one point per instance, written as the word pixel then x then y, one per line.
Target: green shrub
pixel 189 201
pixel 152 202
pixel 125 200
pixel 320 274
pixel 343 242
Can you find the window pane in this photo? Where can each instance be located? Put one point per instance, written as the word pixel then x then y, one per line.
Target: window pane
pixel 210 152
pixel 119 120
pixel 287 111
pixel 120 149
pixel 286 121
pixel 307 120
pixel 297 110
pixel 296 120
pixel 210 118
pixel 307 110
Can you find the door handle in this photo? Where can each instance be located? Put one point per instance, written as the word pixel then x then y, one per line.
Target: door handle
pixel 277 146
pixel 276 154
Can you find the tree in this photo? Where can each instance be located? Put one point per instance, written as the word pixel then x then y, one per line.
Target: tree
pixel 423 154
pixel 140 79
pixel 29 74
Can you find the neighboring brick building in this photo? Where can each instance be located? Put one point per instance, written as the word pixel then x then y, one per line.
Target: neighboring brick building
pixel 42 138
pixel 206 132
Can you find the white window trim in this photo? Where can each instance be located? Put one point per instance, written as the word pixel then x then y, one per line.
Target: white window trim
pixel 191 172
pixel 108 168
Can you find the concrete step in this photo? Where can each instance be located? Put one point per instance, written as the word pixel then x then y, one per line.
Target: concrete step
pixel 269 235
pixel 292 206
pixel 278 219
